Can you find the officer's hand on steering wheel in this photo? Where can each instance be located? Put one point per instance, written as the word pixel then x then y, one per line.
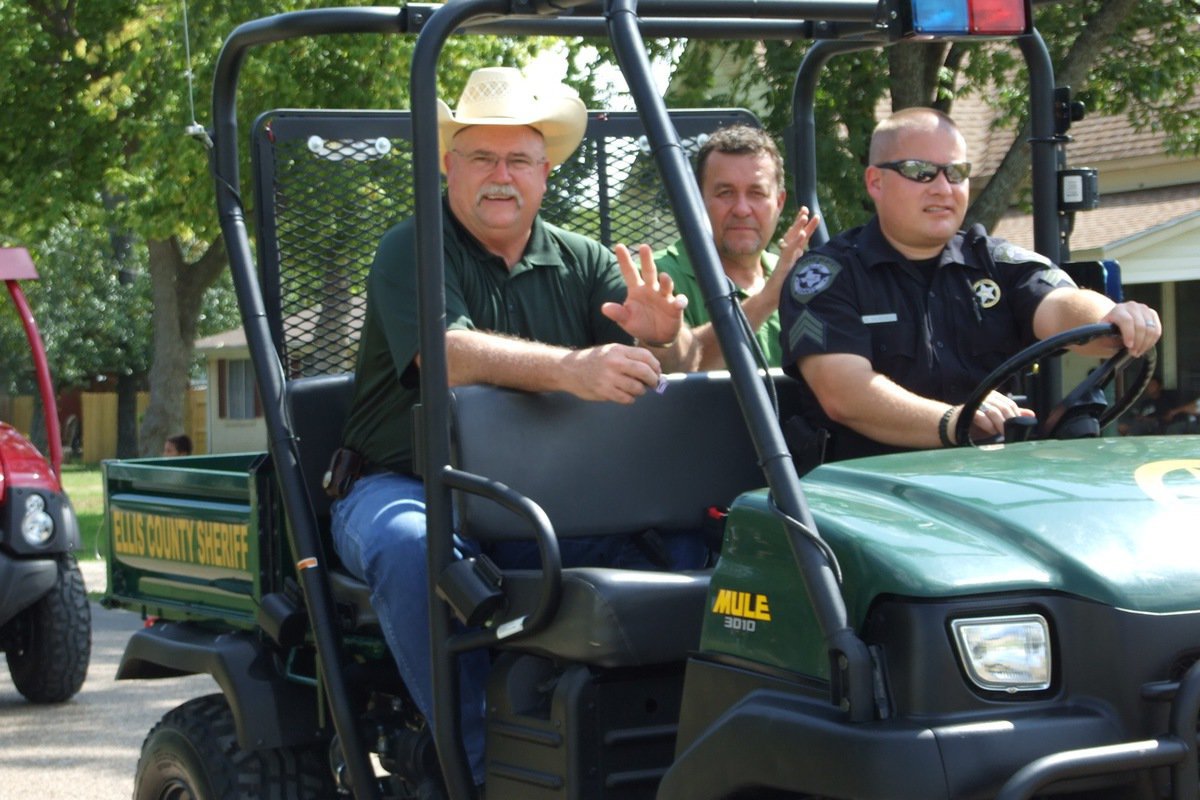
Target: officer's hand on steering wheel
pixel 991 415
pixel 1137 324
pixel 1063 418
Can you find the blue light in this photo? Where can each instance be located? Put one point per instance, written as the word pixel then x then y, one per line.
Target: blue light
pixel 940 16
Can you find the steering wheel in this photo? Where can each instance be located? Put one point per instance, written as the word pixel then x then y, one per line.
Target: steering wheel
pixel 1082 396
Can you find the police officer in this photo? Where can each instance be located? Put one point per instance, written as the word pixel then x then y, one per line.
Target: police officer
pixel 892 324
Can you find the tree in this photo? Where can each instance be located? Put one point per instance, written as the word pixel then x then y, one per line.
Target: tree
pixel 94 315
pixel 82 311
pixel 1119 56
pixel 99 96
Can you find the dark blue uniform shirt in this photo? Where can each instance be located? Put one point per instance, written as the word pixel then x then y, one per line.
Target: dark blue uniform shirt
pixel 936 328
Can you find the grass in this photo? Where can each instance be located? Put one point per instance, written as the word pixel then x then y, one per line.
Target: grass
pixel 84 486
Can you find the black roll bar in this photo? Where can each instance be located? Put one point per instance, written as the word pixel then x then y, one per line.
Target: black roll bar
pixel 268 371
pixel 435 416
pixel 1043 147
pixel 847 10
pixel 802 146
pixel 850 664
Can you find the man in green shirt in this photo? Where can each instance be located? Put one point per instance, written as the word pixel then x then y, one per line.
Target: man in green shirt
pixel 740 174
pixel 528 306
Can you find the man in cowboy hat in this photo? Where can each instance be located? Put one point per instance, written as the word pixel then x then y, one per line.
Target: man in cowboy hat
pixel 528 306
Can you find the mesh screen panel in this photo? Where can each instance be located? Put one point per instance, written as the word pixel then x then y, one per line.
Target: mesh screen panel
pixel 330 183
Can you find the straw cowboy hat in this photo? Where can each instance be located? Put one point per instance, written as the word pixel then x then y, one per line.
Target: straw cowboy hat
pixel 502 96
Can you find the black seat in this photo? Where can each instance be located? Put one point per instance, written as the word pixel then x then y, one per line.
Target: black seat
pixel 597 469
pixel 318 406
pixel 604 469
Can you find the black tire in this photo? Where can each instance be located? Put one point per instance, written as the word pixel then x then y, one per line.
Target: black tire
pixel 193 754
pixel 51 641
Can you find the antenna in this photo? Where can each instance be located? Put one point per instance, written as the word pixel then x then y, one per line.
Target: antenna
pixel 194 129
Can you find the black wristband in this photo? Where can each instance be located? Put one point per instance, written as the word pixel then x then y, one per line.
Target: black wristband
pixel 944 428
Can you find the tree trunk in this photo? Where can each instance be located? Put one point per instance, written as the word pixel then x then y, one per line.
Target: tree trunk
pixel 177 289
pixel 121 242
pixel 915 69
pixel 997 196
pixel 127 438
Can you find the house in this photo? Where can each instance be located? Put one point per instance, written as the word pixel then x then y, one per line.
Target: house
pixel 234 417
pixel 318 340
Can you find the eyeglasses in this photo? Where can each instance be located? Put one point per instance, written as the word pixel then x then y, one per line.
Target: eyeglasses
pixel 484 162
pixel 926 171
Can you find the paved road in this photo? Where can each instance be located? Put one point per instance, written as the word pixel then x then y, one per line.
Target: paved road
pixel 87 747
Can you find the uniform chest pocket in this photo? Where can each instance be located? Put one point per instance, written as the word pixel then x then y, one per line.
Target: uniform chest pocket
pixel 894 347
pixel 992 341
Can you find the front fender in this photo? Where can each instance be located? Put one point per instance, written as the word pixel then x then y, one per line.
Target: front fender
pixel 781 740
pixel 270 710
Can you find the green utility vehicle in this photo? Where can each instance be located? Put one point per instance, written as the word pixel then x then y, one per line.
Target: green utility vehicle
pixel 1003 621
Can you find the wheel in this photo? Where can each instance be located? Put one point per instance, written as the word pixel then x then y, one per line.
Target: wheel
pixel 193 754
pixel 1086 399
pixel 51 641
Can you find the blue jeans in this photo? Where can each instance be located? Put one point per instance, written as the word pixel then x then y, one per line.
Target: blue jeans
pixel 379 534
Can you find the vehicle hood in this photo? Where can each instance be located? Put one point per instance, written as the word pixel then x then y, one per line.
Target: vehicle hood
pixel 1112 520
pixel 21 465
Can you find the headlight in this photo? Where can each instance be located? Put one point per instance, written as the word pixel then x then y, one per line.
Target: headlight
pixel 36 525
pixel 1005 654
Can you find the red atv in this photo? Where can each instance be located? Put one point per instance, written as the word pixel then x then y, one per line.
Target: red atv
pixel 45 621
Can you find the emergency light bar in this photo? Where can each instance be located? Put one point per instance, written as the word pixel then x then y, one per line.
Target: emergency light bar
pixel 966 18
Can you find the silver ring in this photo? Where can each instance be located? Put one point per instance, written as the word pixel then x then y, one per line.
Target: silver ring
pixel 985 407
pixel 1151 323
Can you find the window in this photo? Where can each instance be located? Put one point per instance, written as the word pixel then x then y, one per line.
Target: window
pixel 1187 302
pixel 237 398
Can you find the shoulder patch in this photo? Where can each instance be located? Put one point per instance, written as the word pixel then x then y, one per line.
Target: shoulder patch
pixel 1009 253
pixel 812 276
pixel 807 326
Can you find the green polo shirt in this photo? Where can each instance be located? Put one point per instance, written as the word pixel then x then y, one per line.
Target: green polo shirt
pixel 674 261
pixel 552 295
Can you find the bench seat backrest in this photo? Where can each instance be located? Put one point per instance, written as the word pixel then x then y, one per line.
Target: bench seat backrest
pixel 595 468
pixel 605 468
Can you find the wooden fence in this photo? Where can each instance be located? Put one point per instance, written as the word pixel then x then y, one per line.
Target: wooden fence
pixel 99 421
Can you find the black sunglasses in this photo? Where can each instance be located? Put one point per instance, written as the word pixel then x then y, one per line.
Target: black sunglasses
pixel 926 171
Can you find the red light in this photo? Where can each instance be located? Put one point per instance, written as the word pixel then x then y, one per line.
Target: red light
pixel 999 17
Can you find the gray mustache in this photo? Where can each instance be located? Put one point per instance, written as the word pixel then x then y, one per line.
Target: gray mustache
pixel 502 190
